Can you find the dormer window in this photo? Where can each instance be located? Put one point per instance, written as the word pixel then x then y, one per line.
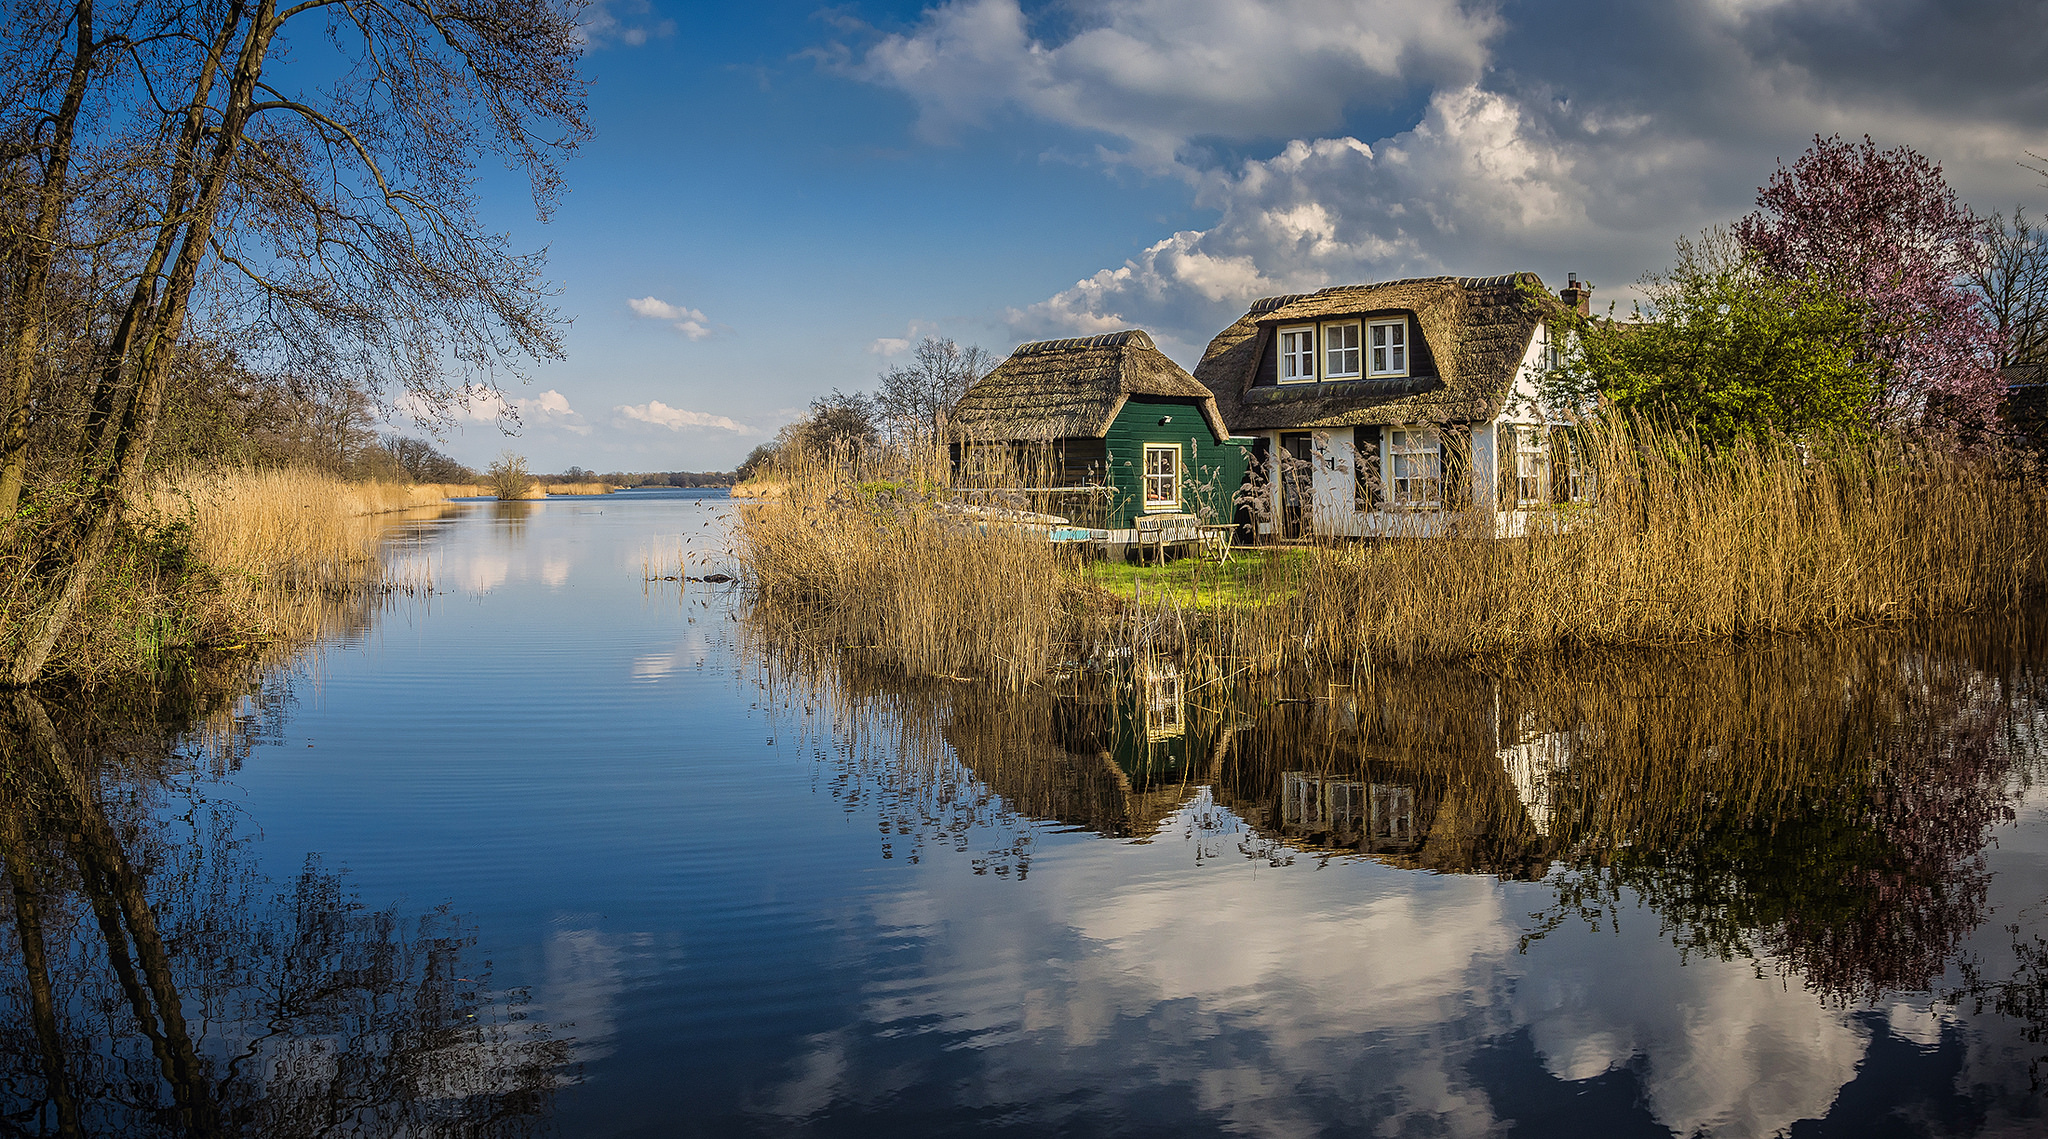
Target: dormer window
pixel 1341 351
pixel 1389 339
pixel 1298 354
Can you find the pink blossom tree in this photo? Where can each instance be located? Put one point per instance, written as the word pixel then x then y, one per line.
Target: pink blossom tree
pixel 1883 228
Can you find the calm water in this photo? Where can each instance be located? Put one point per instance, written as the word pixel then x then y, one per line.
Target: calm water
pixel 557 849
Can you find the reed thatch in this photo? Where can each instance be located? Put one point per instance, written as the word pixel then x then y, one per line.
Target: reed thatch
pixel 1469 335
pixel 1074 388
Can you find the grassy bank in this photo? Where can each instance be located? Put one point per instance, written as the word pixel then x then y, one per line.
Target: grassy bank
pixel 1685 545
pixel 246 561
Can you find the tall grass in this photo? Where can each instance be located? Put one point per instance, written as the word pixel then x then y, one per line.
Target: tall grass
pixel 254 561
pixel 886 568
pixel 1689 544
pixel 1684 544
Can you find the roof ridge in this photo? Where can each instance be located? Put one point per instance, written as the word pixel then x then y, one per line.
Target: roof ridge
pixel 1134 337
pixel 1268 304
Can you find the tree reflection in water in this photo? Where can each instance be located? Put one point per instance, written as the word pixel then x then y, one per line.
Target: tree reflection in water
pixel 153 982
pixel 1820 807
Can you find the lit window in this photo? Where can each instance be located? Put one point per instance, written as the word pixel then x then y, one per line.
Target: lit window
pixel 1532 467
pixel 1415 461
pixel 1340 351
pixel 1390 348
pixel 1297 355
pixel 1162 476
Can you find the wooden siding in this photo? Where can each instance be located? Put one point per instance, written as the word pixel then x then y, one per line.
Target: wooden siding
pixel 1211 467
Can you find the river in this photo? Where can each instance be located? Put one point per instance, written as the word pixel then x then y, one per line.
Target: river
pixel 551 845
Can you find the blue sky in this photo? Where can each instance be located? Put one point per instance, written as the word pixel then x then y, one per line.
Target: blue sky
pixel 782 196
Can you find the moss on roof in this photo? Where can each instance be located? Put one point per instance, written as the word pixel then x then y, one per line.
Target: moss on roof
pixel 1476 328
pixel 1074 388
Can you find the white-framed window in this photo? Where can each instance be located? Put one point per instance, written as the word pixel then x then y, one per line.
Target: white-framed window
pixel 1341 353
pixel 1415 469
pixel 1570 472
pixel 1532 466
pixel 1389 339
pixel 1162 476
pixel 1298 354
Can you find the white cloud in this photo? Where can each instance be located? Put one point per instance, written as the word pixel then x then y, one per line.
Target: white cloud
pixel 628 22
pixel 1159 73
pixel 688 321
pixel 1477 187
pixel 486 405
pixel 889 346
pixel 1584 139
pixel 675 419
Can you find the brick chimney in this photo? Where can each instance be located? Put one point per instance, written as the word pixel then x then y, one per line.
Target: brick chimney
pixel 1576 295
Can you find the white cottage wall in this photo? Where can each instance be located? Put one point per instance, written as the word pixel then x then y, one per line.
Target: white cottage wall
pixel 1333 496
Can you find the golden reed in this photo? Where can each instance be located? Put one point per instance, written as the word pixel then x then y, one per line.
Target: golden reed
pixel 1684 544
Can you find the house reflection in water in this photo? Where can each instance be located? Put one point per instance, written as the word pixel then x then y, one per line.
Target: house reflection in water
pixel 1374 817
pixel 1429 776
pixel 1439 776
pixel 1112 755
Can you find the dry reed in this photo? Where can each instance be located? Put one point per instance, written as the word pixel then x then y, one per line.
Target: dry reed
pixel 1685 544
pixel 237 559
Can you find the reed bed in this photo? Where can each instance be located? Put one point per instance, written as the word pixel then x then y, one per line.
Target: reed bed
pixel 1688 544
pixel 1683 544
pixel 885 568
pixel 240 559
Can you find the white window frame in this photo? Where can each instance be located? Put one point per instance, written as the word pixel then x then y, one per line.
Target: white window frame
pixel 1532 465
pixel 1297 355
pixel 1395 362
pixel 1154 504
pixel 1407 448
pixel 1334 367
pixel 1577 474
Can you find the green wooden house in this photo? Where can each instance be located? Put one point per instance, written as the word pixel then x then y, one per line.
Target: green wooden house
pixel 1102 430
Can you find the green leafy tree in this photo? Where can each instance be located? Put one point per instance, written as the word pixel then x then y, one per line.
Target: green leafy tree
pixel 1728 346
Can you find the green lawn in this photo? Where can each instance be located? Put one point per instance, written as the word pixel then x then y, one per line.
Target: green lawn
pixel 1247 578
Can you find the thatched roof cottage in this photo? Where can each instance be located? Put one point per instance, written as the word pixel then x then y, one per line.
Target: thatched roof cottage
pixel 1386 408
pixel 1110 422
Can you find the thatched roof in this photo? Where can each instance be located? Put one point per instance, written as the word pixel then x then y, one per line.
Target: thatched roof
pixel 1065 389
pixel 1471 334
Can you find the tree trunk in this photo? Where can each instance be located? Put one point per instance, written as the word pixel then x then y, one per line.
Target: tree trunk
pixel 101 858
pixel 35 961
pixel 155 323
pixel 32 292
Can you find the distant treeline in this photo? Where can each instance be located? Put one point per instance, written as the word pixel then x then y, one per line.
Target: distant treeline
pixel 644 478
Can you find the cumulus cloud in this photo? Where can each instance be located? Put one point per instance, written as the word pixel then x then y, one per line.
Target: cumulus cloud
pixel 688 321
pixel 1584 138
pixel 1157 73
pixel 888 346
pixel 1478 186
pixel 660 414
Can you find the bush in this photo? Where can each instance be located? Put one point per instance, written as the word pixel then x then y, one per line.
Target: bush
pixel 508 478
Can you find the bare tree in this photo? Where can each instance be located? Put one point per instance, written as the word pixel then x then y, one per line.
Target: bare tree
pixel 914 400
pixel 2013 281
pixel 336 223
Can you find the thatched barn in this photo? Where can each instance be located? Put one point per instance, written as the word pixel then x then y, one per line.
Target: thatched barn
pixel 1104 430
pixel 1387 409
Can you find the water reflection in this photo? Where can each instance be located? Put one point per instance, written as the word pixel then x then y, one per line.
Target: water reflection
pixel 155 982
pixel 1798 816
